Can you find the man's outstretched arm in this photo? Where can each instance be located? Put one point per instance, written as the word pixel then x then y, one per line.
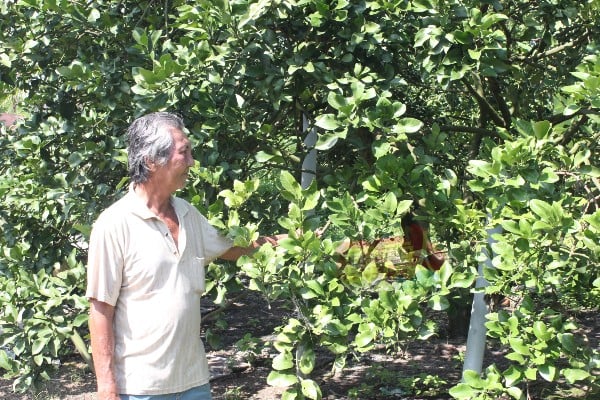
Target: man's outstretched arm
pixel 236 252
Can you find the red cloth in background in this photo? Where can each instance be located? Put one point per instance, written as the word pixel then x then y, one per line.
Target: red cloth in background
pixel 416 237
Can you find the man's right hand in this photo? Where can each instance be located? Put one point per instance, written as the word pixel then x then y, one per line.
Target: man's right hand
pixel 108 395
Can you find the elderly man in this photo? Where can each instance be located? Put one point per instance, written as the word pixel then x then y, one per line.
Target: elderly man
pixel 146 264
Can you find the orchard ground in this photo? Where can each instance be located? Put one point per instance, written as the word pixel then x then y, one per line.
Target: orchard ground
pixel 242 361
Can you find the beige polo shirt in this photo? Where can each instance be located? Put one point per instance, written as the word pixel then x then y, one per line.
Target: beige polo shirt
pixel 155 286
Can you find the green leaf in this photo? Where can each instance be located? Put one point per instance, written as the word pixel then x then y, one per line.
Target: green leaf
pixel 154 38
pixel 5 361
pixel 290 244
pixel 481 168
pixel 590 170
pixel 541 209
pixel 290 394
pixel 283 361
pixel 463 391
pixel 475 55
pixel 363 339
pixel 326 141
pixel 548 372
pixel 144 77
pixel 80 320
pixel 327 122
pixel 336 100
pixel 515 392
pixel 255 11
pixel 38 359
pixel 306 363
pixel 387 299
pixel 462 280
pixel 424 275
pixel 263 156
pixel 511 226
pixel 310 389
pixel 290 185
pixel 549 175
pixel 390 203
pixel 403 207
pixel 94 15
pixel 316 287
pixel 369 274
pixel 518 345
pixel 541 331
pixel 408 125
pixel 573 375
pixel 530 373
pixel 567 340
pixel 39 344
pixel 307 294
pixel 541 129
pixel 513 376
pixel 473 379
pixel 439 303
pixel 5 60
pixel 490 19
pixel 311 200
pixel 279 379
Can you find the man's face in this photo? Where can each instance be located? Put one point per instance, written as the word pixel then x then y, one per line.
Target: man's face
pixel 175 172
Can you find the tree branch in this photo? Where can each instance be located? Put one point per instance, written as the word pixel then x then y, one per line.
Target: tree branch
pixel 558 118
pixel 485 106
pixel 570 133
pixel 467 129
pixel 558 49
pixel 496 92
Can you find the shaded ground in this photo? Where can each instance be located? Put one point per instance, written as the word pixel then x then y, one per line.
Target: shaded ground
pixel 424 370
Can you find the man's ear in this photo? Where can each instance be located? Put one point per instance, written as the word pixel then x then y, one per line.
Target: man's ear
pixel 151 165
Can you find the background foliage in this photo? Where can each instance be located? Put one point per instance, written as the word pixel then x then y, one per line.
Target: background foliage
pixel 477 114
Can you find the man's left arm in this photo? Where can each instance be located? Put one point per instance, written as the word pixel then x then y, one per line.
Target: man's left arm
pixel 236 252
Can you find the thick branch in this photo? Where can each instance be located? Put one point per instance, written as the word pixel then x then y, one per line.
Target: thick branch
pixel 558 118
pixel 570 133
pixel 496 92
pixel 485 106
pixel 555 50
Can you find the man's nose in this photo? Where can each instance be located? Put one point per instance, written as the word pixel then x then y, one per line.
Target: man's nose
pixel 190 160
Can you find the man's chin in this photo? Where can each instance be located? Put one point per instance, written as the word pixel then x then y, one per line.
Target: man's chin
pixel 184 182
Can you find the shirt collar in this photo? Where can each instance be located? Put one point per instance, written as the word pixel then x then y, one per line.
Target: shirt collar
pixel 139 208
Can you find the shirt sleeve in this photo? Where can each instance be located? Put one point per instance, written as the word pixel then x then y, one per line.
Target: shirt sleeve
pixel 213 242
pixel 105 263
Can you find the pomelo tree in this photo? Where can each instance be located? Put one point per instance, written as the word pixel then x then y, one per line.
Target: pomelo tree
pixel 471 114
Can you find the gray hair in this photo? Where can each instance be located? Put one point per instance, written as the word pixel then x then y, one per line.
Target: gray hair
pixel 150 141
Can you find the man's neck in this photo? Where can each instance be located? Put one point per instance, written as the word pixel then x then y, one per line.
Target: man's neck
pixel 158 201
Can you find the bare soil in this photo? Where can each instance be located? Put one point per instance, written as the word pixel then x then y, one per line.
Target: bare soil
pixel 422 370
